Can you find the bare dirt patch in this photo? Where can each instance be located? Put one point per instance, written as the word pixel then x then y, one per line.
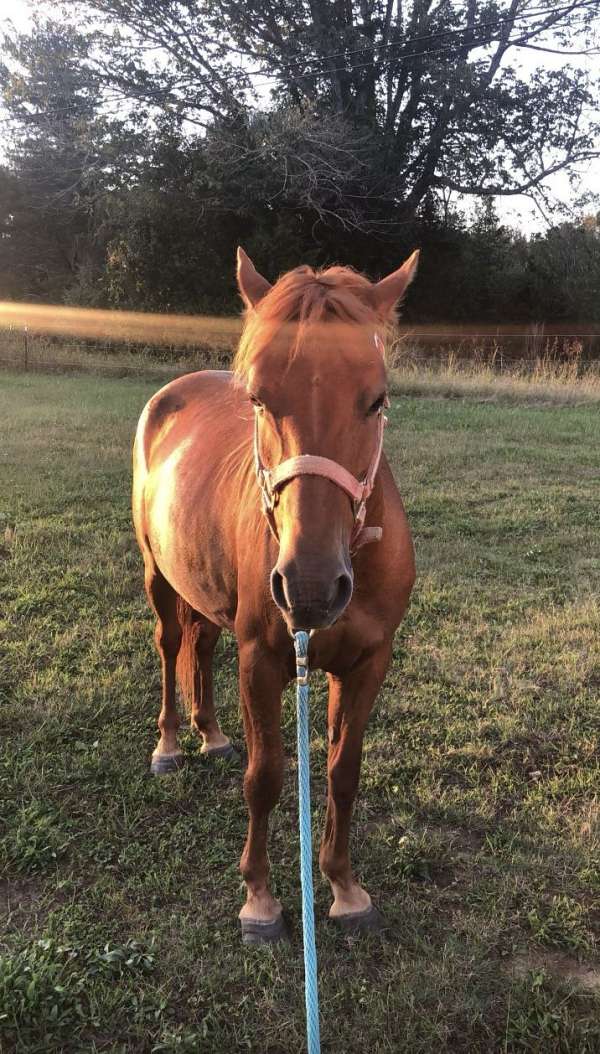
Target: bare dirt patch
pixel 564 967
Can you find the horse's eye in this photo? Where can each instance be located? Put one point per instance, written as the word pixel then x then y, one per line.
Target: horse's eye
pixel 377 405
pixel 256 401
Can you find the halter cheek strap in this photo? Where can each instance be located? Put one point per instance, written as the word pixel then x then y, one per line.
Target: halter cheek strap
pixel 272 481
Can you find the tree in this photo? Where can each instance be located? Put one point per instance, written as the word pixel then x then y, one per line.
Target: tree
pixel 430 93
pixel 63 155
pixel 141 152
pixel 565 272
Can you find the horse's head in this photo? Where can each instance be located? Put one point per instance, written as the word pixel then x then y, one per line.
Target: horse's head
pixel 311 358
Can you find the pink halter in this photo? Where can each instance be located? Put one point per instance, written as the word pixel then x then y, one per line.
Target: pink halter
pixel 272 481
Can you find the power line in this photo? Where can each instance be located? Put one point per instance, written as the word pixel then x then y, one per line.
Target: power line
pixel 526 16
pixel 348 68
pixel 426 36
pixel 452 50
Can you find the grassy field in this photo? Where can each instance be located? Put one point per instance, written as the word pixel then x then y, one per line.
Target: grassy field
pixel 478 825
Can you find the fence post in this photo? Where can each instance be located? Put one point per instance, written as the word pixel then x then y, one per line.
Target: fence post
pixel 26 349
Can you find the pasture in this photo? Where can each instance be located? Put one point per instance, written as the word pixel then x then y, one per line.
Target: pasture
pixel 477 828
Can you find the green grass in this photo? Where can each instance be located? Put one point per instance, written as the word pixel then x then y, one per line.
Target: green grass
pixel 477 829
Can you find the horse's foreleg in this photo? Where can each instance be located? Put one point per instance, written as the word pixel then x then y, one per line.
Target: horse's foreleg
pixel 351 699
pixel 261 685
pixel 167 636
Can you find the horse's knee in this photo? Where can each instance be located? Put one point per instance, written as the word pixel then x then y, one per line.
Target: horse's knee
pixel 263 782
pixel 343 785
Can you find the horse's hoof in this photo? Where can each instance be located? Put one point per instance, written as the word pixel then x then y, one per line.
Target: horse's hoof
pixel 228 752
pixel 163 763
pixel 256 932
pixel 357 922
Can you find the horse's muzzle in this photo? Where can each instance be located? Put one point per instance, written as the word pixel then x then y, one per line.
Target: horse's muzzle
pixel 311 598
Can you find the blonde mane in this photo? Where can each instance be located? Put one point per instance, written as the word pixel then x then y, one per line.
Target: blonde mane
pixel 304 297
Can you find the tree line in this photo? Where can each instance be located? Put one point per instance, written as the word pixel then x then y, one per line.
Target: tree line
pixel 145 139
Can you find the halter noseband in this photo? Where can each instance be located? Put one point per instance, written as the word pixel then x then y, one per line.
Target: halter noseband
pixel 272 481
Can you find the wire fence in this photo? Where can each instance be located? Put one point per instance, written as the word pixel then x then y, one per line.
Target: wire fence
pixel 22 351
pixel 500 349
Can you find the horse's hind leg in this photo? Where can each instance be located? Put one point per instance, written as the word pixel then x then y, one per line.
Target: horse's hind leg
pixel 167 757
pixel 195 672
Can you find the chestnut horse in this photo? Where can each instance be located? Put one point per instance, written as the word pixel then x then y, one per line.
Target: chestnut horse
pixel 328 549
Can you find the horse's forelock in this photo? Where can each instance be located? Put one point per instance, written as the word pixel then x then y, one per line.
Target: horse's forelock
pixel 300 298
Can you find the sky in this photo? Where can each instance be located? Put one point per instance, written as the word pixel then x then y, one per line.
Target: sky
pixel 518 211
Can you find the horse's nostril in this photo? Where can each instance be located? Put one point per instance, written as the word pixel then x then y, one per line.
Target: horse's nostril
pixel 277 590
pixel 343 592
pixel 308 601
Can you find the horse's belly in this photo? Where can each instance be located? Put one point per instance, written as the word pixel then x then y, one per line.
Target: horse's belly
pixel 198 579
pixel 188 543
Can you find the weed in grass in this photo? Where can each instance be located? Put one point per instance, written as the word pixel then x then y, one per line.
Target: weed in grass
pixel 34 838
pixel 561 923
pixel 543 1019
pixel 47 989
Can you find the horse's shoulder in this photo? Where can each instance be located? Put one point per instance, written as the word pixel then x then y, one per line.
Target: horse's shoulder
pixel 164 413
pixel 183 391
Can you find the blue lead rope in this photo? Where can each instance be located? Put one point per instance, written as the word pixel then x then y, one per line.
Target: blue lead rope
pixel 311 990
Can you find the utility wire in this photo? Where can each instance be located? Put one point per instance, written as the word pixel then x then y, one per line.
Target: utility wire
pixel 533 13
pixel 451 50
pixel 526 16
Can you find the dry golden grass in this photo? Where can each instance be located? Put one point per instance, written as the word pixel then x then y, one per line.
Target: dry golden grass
pixel 139 326
pixel 47 354
pixel 553 372
pixel 556 374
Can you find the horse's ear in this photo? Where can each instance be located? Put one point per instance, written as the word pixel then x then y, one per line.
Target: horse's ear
pixel 389 291
pixel 251 284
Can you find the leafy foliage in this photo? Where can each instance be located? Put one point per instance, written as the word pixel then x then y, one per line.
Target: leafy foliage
pixel 149 141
